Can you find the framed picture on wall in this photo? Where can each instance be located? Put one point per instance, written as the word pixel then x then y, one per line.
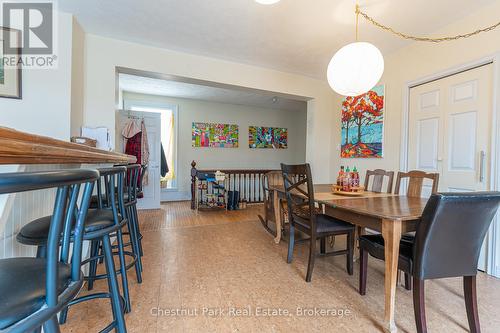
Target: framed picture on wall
pixel 10 64
pixel 362 134
pixel 214 135
pixel 267 137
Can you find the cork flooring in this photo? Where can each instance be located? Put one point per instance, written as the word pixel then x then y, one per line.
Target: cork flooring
pixel 222 272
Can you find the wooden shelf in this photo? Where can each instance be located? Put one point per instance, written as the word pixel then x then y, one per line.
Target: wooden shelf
pixel 23 148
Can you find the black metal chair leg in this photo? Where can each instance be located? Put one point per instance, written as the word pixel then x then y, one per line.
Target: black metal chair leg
pixel 113 284
pixel 363 265
pixel 94 251
pixel 135 250
pixel 291 241
pixel 63 315
pixel 51 326
pixel 470 296
pixel 312 257
pixel 123 270
pixel 139 235
pixel 134 224
pixel 419 305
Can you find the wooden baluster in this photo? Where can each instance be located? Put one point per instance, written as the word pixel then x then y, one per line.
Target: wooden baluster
pixel 245 185
pixel 193 184
pixel 254 183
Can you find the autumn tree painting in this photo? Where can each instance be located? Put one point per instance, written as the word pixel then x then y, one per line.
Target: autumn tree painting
pixel 362 125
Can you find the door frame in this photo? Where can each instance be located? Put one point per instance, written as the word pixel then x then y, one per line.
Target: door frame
pixel 493 237
pixel 131 102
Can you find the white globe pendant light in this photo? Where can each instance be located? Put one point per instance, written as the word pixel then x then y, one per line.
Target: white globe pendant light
pixel 267 2
pixel 355 69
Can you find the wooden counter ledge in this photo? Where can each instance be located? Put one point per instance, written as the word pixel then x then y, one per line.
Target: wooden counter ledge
pixel 23 148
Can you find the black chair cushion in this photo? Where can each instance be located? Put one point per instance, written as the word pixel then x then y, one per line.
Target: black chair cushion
pixel 94 199
pixel 22 287
pixel 37 231
pixel 325 223
pixel 374 244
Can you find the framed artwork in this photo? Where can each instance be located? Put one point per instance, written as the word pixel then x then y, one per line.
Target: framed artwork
pixel 10 67
pixel 214 135
pixel 363 125
pixel 267 137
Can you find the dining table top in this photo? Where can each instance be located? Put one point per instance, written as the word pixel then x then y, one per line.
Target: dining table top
pixel 377 205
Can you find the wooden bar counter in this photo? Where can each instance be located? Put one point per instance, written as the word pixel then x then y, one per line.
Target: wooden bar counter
pixel 23 148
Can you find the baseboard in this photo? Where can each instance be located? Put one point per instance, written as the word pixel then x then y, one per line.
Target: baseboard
pixel 175 196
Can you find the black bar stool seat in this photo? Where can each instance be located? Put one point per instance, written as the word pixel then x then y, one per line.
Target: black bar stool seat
pixel 35 233
pixel 34 290
pixel 22 291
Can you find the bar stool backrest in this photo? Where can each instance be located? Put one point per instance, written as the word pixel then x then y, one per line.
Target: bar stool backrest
pixel 64 229
pixel 111 182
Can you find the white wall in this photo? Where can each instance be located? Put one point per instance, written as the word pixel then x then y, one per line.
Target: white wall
pixel 45 109
pixel 419 60
pixel 46 93
pixel 190 111
pixel 103 55
pixel 416 61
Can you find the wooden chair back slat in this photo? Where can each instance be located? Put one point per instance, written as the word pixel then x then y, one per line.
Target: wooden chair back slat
pixel 378 176
pixel 416 181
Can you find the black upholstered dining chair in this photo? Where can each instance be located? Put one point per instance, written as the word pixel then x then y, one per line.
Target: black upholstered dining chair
pixel 307 218
pixel 447 244
pixel 34 290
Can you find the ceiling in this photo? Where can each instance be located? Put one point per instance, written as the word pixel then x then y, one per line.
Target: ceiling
pixel 154 86
pixel 298 36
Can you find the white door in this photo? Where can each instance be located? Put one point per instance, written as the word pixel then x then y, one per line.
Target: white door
pixel 450 131
pixel 152 120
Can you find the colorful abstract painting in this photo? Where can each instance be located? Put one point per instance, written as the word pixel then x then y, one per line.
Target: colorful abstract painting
pixel 363 125
pixel 214 135
pixel 267 137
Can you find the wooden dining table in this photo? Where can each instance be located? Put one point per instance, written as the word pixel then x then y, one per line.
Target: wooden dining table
pixel 390 214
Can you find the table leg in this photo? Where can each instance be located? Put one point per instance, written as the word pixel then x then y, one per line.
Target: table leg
pixel 277 216
pixel 391 231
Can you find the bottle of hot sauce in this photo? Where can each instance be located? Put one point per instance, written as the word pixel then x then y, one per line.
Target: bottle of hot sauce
pixel 340 176
pixel 346 183
pixel 355 177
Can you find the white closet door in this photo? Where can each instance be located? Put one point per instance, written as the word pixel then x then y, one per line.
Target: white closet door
pixel 450 131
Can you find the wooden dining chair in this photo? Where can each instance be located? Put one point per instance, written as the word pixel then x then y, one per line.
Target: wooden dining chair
pixel 378 176
pixel 416 181
pixel 272 178
pixel 307 218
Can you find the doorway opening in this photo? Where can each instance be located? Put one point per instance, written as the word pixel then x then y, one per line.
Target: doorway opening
pixel 168 138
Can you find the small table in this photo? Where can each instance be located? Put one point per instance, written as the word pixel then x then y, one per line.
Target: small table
pixel 390 214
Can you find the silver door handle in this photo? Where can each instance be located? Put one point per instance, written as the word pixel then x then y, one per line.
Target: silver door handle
pixel 482 165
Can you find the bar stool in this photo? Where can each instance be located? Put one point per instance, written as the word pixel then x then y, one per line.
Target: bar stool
pixel 34 290
pixel 135 175
pixel 100 225
pixel 129 195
